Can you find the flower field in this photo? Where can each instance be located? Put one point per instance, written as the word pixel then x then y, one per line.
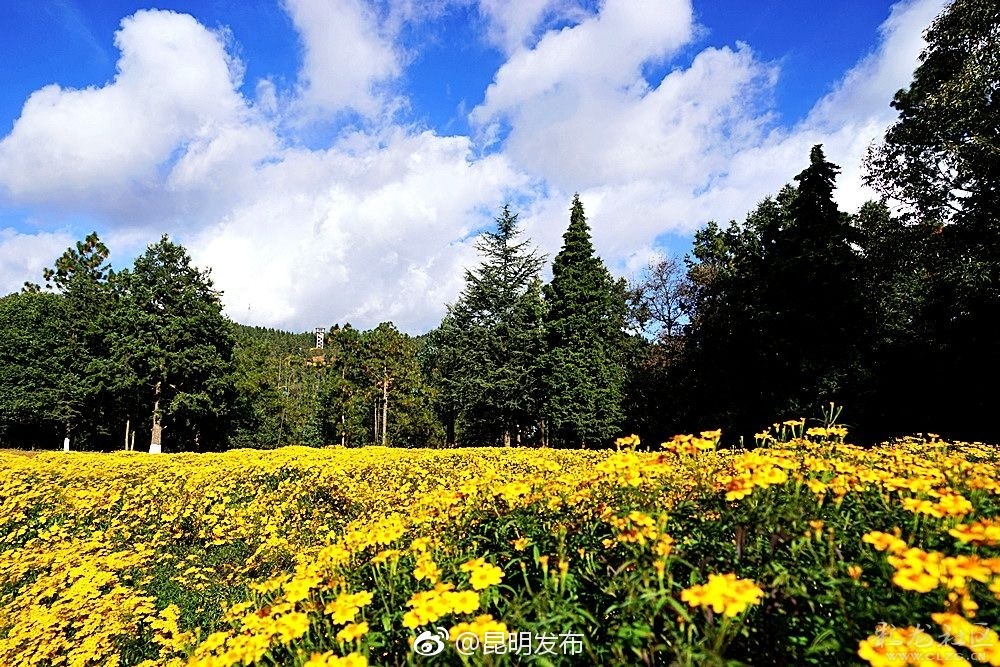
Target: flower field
pixel 804 550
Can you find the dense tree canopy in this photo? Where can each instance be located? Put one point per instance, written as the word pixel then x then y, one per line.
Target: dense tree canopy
pixel 169 337
pixel 584 328
pixel 489 344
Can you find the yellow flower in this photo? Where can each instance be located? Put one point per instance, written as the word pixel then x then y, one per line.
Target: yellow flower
pixel 854 571
pixel 627 442
pixel 474 564
pixel 292 626
pixel 464 602
pixel 351 660
pixel 981 640
pixel 898 647
pixel 520 543
pixel 298 589
pixel 426 569
pixel 352 631
pixel 347 605
pixel 485 576
pixel 985 532
pixel 330 659
pixel 420 544
pixel 482 625
pixel 724 593
pixel 664 545
pixel 884 541
pixel 383 556
pixel 319 659
pixel 917 570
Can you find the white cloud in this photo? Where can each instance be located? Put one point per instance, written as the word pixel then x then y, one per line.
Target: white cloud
pixel 514 25
pixel 24 256
pixel 700 144
pixel 366 234
pixel 602 51
pixel 345 56
pixel 511 23
pixel 99 148
pixel 851 116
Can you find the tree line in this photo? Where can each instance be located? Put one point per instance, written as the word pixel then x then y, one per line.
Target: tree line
pixel 889 312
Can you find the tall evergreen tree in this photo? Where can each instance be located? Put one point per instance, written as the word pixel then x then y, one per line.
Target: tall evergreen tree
pixel 490 341
pixel 82 276
pixel 777 324
pixel 584 326
pixel 816 309
pixel 172 337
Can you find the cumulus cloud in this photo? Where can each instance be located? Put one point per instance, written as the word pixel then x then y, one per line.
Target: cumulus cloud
pixel 700 144
pixel 367 234
pixel 104 147
pixel 376 224
pixel 514 25
pixel 345 56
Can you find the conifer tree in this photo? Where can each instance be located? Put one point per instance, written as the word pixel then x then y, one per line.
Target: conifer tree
pixel 173 344
pixel 584 326
pixel 489 344
pixel 815 310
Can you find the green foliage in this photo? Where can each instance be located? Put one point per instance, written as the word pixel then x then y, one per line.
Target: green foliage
pixel 41 390
pixel 486 351
pixel 941 154
pixel 584 328
pixel 167 333
pixel 290 392
pixel 777 324
pixel 940 160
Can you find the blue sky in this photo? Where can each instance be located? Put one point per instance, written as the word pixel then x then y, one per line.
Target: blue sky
pixel 331 160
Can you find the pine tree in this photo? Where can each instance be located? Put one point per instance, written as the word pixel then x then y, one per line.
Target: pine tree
pixel 815 314
pixel 488 345
pixel 584 326
pixel 82 278
pixel 176 345
pixel 42 380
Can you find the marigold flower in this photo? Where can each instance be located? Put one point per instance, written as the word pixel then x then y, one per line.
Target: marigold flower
pixel 352 632
pixel 884 541
pixel 485 576
pixel 984 532
pixel 724 593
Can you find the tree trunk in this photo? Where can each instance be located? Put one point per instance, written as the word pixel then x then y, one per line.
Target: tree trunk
pixel 128 422
pixel 156 440
pixel 450 430
pixel 385 409
pixel 66 439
